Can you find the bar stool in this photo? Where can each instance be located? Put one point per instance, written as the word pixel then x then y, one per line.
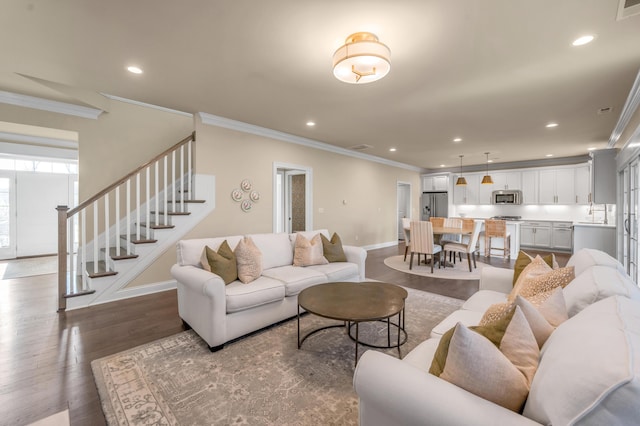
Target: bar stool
pixel 496 229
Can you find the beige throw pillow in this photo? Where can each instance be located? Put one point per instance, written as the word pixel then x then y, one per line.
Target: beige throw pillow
pixel 560 277
pixel 307 253
pixel 222 262
pixel 249 260
pixel 332 250
pixel 496 362
pixel 534 269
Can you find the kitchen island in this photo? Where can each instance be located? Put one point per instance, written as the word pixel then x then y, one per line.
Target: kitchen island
pixel 594 235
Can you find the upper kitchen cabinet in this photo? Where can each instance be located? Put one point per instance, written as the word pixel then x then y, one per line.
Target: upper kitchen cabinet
pixel 506 180
pixel 530 187
pixel 435 183
pixel 583 184
pixel 466 194
pixel 557 186
pixel 603 176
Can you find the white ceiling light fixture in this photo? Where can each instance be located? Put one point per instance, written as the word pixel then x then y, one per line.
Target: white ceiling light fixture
pixel 362 59
pixel 585 39
pixel 457 139
pixel 550 125
pixel 134 69
pixel 311 123
pixel 392 149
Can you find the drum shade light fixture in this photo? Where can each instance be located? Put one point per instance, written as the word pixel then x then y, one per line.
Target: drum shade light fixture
pixel 362 59
pixel 486 180
pixel 461 181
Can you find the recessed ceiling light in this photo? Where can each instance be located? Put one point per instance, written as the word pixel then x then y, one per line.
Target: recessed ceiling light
pixel 549 155
pixel 457 139
pixel 580 41
pixel 311 123
pixel 135 70
pixel 442 165
pixel 392 149
pixel 593 148
pixel 489 161
pixel 552 125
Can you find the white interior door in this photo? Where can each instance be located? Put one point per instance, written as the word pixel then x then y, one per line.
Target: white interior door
pixel 7 215
pixel 404 206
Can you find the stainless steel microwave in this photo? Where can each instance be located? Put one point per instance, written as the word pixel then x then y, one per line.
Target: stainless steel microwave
pixel 506 197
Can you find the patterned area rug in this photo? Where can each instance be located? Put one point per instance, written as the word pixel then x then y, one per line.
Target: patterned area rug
pixel 459 271
pixel 262 379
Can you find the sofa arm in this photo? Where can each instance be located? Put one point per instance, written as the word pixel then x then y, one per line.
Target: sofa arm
pixel 202 302
pixel 392 392
pixel 356 255
pixel 496 279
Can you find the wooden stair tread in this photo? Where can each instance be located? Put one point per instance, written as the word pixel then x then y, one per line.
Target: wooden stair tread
pixel 154 226
pixel 172 213
pixel 186 201
pixel 123 254
pixel 142 239
pixel 101 272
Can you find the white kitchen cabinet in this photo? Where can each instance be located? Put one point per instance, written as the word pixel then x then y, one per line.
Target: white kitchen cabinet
pixel 466 194
pixel 562 235
pixel 435 183
pixel 530 184
pixel 506 180
pixel 535 234
pixel 556 186
pixel 583 184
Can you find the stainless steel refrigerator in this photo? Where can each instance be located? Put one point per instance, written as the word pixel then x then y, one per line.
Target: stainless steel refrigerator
pixel 435 204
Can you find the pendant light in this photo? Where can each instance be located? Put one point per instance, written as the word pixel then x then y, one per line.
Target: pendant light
pixel 486 180
pixel 461 180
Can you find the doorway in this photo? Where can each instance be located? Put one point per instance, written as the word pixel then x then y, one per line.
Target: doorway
pixel 404 205
pixel 292 205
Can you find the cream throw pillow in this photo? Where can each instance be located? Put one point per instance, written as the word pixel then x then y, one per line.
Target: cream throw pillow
pixel 249 260
pixel 536 268
pixel 307 253
pixel 496 362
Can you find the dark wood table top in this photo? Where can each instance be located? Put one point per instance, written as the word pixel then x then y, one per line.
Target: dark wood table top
pixel 356 302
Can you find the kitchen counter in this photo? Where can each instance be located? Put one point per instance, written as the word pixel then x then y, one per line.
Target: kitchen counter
pixel 594 224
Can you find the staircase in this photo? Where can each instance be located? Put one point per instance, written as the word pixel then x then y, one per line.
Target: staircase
pixel 109 239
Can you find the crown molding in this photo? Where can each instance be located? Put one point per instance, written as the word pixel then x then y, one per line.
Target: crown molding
pixel 49 105
pixel 30 151
pixel 629 109
pixel 227 123
pixel 494 167
pixel 38 140
pixel 146 105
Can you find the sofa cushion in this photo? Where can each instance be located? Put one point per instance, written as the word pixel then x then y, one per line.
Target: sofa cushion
pixel 589 370
pixel 468 318
pixel 189 252
pixel 338 271
pixel 308 252
pixel 597 283
pixel 332 249
pixel 481 300
pixel 585 258
pixel 259 292
pixel 221 262
pixel 422 355
pixel 276 249
pixel 249 260
pixel 496 362
pixel 295 279
pixel 525 258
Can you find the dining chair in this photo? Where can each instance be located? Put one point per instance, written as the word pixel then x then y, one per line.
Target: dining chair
pixel 422 243
pixel 406 224
pixel 470 248
pixel 451 222
pixel 497 229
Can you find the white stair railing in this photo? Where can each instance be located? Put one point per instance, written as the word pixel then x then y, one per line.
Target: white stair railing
pixel 169 181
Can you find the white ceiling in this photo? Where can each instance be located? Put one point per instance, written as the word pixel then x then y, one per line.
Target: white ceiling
pixel 492 72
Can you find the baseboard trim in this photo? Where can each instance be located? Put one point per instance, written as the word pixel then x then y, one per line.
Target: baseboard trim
pixel 380 245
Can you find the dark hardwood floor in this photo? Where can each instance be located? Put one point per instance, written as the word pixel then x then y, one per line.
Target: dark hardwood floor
pixel 45 356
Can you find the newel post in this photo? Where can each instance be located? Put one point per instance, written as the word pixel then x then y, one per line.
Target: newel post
pixel 62 257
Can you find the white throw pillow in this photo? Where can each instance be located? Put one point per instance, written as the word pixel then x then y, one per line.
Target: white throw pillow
pixel 589 371
pixel 597 283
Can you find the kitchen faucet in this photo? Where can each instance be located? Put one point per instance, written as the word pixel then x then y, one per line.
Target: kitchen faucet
pixel 592 210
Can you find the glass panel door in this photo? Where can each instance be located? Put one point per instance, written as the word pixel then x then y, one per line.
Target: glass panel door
pixel 7 215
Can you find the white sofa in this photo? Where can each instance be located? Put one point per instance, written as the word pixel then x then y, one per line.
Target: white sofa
pixel 589 369
pixel 220 313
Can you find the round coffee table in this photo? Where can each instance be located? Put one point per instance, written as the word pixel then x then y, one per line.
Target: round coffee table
pixel 354 303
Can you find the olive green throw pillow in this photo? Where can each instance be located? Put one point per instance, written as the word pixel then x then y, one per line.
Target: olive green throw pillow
pixel 332 250
pixel 497 362
pixel 524 259
pixel 222 262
